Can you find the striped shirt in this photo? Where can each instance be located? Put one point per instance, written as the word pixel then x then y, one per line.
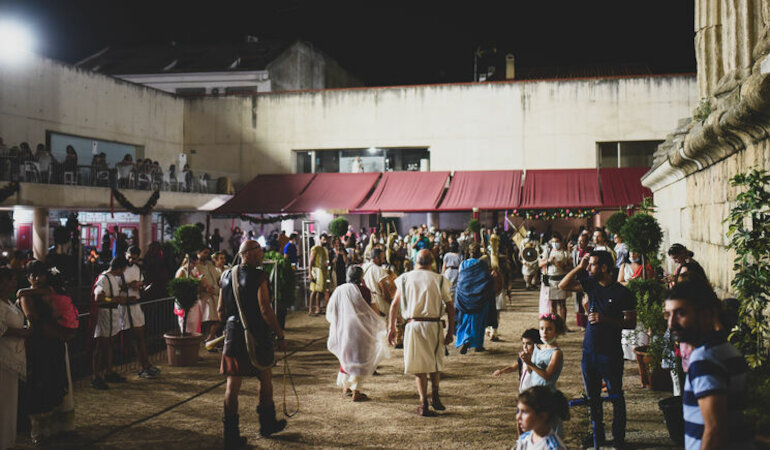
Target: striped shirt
pixel 716 367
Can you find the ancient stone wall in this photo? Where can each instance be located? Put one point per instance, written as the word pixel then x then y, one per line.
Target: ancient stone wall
pixel 726 33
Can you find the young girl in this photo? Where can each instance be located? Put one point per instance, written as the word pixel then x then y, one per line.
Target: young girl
pixel 546 360
pixel 539 407
pixel 529 339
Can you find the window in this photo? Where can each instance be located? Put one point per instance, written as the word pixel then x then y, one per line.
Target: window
pixel 191 91
pixel 374 159
pixel 241 90
pixel 626 153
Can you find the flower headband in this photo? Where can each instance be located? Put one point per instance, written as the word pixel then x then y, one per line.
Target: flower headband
pixel 551 317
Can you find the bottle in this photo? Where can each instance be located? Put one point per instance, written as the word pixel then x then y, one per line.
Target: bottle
pixel 591 311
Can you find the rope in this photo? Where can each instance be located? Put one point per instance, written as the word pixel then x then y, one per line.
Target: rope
pixel 287 374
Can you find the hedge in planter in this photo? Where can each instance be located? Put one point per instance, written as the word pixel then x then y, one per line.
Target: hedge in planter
pixel 616 222
pixel 338 227
pixel 185 291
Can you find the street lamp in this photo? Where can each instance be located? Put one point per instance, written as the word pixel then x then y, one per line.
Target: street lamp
pixel 16 41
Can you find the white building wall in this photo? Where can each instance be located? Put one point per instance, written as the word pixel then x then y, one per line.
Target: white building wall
pixel 43 95
pixel 513 125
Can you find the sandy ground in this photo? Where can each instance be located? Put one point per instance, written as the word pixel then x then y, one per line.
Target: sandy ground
pixel 182 409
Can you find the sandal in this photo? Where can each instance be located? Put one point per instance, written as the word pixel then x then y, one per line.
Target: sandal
pixel 359 397
pixel 347 392
pixel 424 411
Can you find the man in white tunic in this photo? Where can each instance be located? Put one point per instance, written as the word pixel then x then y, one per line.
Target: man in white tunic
pixel 375 275
pixel 422 297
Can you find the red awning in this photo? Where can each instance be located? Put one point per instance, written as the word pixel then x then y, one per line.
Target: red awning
pixel 266 194
pixel 568 188
pixel 483 189
pixel 406 192
pixel 334 192
pixel 623 186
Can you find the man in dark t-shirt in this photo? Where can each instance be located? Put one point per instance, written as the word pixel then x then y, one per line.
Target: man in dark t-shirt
pixel 611 308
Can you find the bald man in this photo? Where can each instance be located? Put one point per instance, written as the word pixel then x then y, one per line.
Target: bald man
pixel 422 298
pixel 255 308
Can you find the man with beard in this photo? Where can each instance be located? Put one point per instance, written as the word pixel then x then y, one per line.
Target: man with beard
pixel 715 387
pixel 611 308
pixel 319 274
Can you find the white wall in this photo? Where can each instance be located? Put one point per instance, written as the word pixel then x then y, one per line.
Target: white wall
pixel 43 95
pixel 509 125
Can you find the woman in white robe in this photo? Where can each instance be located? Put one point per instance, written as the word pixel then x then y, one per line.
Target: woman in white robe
pixel 357 335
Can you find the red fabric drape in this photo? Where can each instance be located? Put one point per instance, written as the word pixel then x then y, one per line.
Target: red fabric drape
pixel 266 194
pixel 406 192
pixel 563 188
pixel 483 189
pixel 334 192
pixel 623 186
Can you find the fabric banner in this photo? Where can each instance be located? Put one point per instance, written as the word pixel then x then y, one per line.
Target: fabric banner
pixel 483 189
pixel 334 192
pixel 406 192
pixel 266 194
pixel 561 188
pixel 623 186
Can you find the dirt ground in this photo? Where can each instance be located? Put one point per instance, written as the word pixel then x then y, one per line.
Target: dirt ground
pixel 182 409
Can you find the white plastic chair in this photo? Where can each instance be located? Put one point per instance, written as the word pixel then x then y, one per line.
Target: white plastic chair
pixel 31 171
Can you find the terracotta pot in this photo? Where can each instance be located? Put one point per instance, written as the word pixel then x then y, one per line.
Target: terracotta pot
pixel 182 350
pixel 658 379
pixel 643 361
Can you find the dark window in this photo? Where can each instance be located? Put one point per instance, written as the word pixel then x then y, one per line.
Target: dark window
pixel 626 153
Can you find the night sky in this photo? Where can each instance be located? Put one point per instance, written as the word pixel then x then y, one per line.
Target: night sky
pixel 385 43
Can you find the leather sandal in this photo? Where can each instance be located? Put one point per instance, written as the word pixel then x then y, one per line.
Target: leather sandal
pixel 360 397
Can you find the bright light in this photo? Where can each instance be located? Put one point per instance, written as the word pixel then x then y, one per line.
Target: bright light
pixel 371 150
pixel 321 214
pixel 16 41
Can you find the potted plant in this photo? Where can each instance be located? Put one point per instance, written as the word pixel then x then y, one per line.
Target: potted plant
pixel 616 221
pixel 338 227
pixel 182 347
pixel 474 226
pixel 278 266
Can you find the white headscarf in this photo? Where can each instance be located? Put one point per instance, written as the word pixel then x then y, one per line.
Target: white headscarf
pixel 357 335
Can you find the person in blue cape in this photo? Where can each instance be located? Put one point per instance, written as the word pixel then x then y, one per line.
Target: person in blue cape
pixel 473 298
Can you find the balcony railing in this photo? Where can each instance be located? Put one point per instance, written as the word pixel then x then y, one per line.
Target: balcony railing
pixel 121 177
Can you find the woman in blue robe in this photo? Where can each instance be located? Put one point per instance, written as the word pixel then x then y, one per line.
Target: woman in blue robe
pixel 474 295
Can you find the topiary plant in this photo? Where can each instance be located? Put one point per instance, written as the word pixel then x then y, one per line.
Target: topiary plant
pixel 187 239
pixel 616 222
pixel 650 295
pixel 474 225
pixel 338 226
pixel 286 282
pixel 185 291
pixel 643 235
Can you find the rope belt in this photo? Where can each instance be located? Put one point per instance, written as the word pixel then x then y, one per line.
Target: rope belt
pixel 424 319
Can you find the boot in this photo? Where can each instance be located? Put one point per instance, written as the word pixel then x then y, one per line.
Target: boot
pixel 233 439
pixel 267 421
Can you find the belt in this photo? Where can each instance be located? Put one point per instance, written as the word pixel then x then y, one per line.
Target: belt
pixel 424 319
pixel 452 267
pixel 556 277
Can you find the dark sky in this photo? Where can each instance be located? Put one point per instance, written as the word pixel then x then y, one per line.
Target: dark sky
pixel 388 42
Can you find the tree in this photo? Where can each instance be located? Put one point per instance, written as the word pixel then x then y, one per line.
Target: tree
pixel 338 227
pixel 643 235
pixel 188 239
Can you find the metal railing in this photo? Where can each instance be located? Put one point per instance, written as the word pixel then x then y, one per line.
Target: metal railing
pixel 122 177
pixel 159 319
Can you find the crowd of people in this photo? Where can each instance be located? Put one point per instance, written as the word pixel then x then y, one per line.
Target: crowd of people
pixel 440 293
pixel 20 163
pixel 420 292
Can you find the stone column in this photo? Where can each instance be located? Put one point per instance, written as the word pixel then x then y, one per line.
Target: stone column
pixel 145 231
pixel 433 220
pixel 40 233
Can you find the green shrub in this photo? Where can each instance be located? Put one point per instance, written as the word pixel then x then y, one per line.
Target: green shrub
pixel 642 234
pixel 338 226
pixel 286 281
pixel 650 295
pixel 474 225
pixel 185 290
pixel 188 239
pixel 616 222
